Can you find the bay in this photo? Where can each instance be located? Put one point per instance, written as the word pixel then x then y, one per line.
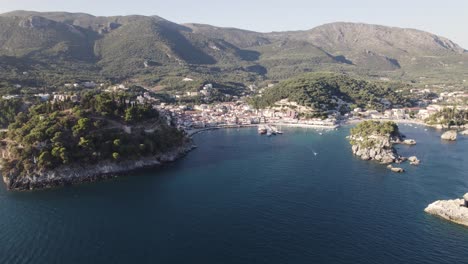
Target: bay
pixel 239 197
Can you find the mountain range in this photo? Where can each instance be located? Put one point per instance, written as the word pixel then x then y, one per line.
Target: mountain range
pixel 59 45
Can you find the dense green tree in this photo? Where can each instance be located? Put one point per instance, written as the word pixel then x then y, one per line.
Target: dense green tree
pixel 449 117
pixel 45 160
pixel 83 125
pixel 319 91
pixel 8 111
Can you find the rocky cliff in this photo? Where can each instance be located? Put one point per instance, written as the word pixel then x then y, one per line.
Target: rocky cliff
pixel 381 149
pixel 76 173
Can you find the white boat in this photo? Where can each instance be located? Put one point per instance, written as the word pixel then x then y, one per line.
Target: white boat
pixel 275 130
pixel 262 130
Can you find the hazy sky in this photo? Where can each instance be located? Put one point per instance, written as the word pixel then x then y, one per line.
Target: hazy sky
pixel 448 18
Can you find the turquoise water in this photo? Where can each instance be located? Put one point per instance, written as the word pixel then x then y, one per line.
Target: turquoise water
pixel 245 198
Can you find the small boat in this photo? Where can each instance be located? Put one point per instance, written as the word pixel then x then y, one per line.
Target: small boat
pixel 275 130
pixel 262 130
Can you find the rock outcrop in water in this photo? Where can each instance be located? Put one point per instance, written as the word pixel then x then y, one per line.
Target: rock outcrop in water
pixel 373 140
pixel 414 160
pixel 409 142
pixel 464 133
pixel 76 174
pixel 450 135
pixel 381 151
pixel 453 210
pixel 395 169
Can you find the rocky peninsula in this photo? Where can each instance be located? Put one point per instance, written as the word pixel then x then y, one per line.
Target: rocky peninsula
pixel 85 173
pixel 103 134
pixel 453 210
pixel 82 173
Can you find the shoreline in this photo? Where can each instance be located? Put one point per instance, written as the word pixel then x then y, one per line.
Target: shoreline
pixel 400 121
pixel 306 125
pixel 193 132
pixel 78 174
pixel 405 121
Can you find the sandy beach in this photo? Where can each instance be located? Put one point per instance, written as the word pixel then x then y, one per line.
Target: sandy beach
pixel 400 121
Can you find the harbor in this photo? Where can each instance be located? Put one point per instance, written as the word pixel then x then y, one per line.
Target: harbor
pixel 269 130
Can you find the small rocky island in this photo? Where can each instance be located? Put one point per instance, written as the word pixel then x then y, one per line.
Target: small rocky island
pixel 450 135
pixel 453 210
pixel 101 135
pixel 373 140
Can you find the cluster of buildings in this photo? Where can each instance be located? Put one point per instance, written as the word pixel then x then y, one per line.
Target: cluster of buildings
pixel 417 113
pixel 239 113
pixel 453 97
pixel 205 93
pixel 204 115
pixel 55 97
pixel 234 114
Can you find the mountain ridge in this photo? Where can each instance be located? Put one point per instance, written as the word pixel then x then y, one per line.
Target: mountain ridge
pixel 136 45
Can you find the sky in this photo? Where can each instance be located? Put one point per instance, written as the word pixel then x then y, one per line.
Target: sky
pixel 447 18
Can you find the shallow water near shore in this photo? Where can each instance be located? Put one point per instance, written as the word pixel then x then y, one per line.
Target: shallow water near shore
pixel 239 197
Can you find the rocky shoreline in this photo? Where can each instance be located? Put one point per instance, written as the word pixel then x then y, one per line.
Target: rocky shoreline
pixel 452 210
pixel 372 140
pixel 77 174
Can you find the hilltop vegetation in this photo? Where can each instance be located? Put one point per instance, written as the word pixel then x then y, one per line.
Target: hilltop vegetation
pixel 376 128
pixel 448 117
pixel 59 47
pixel 100 127
pixel 8 111
pixel 368 134
pixel 321 91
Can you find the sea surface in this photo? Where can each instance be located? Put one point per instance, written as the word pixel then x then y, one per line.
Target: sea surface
pixel 239 197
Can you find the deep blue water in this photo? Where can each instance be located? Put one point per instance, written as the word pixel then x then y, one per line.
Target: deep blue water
pixel 245 198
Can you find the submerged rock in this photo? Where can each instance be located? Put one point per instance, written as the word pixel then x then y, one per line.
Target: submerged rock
pixel 453 210
pixel 398 170
pixel 450 135
pixel 395 169
pixel 409 142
